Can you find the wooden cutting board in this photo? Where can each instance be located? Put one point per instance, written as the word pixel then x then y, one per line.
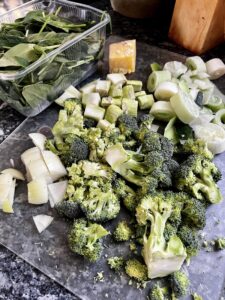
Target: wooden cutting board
pixel 198 25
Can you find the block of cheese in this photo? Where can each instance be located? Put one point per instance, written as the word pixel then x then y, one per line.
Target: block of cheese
pixel 122 57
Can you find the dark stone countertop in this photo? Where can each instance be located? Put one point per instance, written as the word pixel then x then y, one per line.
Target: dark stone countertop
pixel 18 280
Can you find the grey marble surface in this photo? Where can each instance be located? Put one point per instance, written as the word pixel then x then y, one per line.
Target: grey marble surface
pixel 18 280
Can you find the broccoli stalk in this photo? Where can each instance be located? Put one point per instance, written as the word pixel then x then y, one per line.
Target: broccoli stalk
pixel 160 257
pixel 84 239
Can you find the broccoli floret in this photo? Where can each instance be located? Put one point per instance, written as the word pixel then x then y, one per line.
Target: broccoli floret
pixel 159 293
pixel 172 166
pixel 198 177
pixel 194 213
pixel 128 125
pixel 139 233
pixel 132 165
pixel 144 123
pixel 196 146
pixel 179 283
pixel 88 123
pixel 163 176
pixel 123 232
pixel 190 240
pixel 160 257
pixel 135 269
pixel 195 296
pixel 116 263
pixel 50 145
pixel 220 243
pixel 100 203
pixel 84 239
pixel 169 231
pixel 68 209
pixel 70 105
pixel 79 150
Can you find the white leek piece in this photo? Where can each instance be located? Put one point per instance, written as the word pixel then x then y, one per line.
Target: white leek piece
pixel 185 108
pixel 70 92
pixel 57 192
pixel 91 98
pixel 15 173
pixel 117 78
pixel 176 68
pixel 94 112
pixel 220 118
pixel 213 135
pixel 196 63
pixel 162 110
pixel 215 68
pixel 203 84
pixel 165 90
pixel 38 140
pixel 42 222
pixel 54 165
pixel 37 191
pixel 156 77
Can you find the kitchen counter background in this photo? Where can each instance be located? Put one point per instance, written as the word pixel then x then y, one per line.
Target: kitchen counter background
pixel 18 280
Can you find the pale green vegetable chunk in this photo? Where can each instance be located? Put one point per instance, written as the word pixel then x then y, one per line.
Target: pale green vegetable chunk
pixel 162 111
pixel 165 90
pixel 112 113
pixel 94 112
pixel 196 63
pixel 185 108
pixel 130 107
pixel 145 101
pixel 137 84
pixel 155 78
pixel 102 87
pixel 128 92
pixel 91 98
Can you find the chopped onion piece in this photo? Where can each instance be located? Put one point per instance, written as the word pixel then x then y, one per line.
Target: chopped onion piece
pixel 15 173
pixel 7 206
pixel 6 181
pixel 38 169
pixel 54 165
pixel 57 192
pixel 37 191
pixel 42 222
pixel 30 155
pixel 38 139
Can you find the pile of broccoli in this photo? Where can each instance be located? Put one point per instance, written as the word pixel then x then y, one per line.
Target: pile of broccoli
pixel 120 162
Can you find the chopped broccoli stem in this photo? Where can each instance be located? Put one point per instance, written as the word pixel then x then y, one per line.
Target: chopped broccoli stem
pixel 112 113
pixel 128 92
pixel 130 107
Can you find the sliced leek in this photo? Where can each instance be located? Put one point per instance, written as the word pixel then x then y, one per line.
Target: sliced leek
pixel 170 131
pixel 155 78
pixel 176 68
pixel 162 111
pixel 215 103
pixel 196 63
pixel 185 108
pixel 165 90
pixel 213 135
pixel 215 68
pixel 220 118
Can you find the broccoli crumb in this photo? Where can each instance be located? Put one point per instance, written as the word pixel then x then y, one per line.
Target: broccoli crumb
pixel 123 232
pixel 195 296
pixel 220 244
pixel 99 277
pixel 116 263
pixel 133 247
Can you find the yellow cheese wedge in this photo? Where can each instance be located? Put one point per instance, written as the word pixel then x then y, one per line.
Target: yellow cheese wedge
pixel 122 57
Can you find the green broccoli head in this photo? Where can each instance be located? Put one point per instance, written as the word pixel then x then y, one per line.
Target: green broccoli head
pixel 123 232
pixel 79 150
pixel 198 177
pixel 194 212
pixel 128 125
pixel 196 146
pixel 100 204
pixel 179 283
pixel 84 239
pixel 70 105
pixel 151 142
pixel 159 293
pixel 170 230
pixel 190 239
pixel 89 123
pixel 136 270
pixel 144 123
pixel 116 263
pixel 68 209
pixel 162 258
pixel 220 243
